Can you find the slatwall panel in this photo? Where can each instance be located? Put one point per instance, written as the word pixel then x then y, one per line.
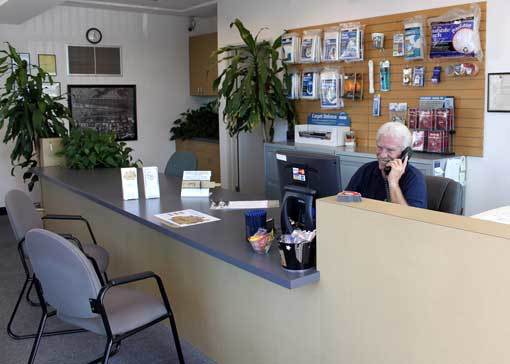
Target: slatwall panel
pixel 468 91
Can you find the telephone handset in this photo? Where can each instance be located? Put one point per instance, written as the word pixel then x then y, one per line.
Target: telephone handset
pixel 406 152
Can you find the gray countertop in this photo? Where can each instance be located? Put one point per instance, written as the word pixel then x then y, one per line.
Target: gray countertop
pixel 223 239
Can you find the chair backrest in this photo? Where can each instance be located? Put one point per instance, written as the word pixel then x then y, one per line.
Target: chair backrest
pixel 66 275
pixel 444 194
pixel 179 162
pixel 21 212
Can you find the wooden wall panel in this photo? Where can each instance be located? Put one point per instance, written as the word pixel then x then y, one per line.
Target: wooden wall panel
pixel 469 92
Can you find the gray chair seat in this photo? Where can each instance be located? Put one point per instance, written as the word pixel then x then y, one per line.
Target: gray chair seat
pixel 126 309
pixel 99 254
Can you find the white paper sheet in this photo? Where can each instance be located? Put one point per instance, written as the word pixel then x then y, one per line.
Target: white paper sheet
pixel 501 215
pixel 185 218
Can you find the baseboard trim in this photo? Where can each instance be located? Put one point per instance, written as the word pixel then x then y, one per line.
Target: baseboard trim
pixel 3 211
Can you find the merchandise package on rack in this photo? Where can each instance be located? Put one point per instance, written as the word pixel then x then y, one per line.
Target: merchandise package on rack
pixel 456 34
pixel 407 75
pixel 412 118
pixel 295 82
pixel 331 86
pixel 418 140
pixel 398 111
pixel 398 45
pixel 311 46
pixel 385 75
pixel 330 44
pixel 351 42
pixel 418 76
pixel 432 124
pixel 310 83
pixel 414 38
pixel 290 47
pixel 352 86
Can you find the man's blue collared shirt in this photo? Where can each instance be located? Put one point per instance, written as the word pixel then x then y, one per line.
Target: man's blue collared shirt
pixel 369 181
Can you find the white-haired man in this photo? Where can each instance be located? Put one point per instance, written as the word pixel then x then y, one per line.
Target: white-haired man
pixel 403 184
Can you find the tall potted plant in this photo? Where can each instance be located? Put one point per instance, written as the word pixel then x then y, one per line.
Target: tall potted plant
pixel 254 84
pixel 28 113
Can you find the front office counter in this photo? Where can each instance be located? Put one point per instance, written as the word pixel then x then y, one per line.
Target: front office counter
pixel 398 285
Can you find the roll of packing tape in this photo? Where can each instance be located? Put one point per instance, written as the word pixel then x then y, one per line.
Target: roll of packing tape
pixel 348 196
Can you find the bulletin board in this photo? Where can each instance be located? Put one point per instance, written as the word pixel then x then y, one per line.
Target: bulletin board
pixel 469 91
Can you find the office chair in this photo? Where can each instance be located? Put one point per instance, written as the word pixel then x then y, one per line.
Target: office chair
pixel 444 194
pixel 74 288
pixel 23 217
pixel 179 162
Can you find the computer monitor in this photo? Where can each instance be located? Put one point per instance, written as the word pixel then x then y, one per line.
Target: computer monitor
pixel 316 171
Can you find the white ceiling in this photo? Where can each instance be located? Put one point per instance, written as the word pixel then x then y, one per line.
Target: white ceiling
pixel 19 11
pixel 169 7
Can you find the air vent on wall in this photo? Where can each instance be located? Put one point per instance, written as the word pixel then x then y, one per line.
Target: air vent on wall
pixel 86 60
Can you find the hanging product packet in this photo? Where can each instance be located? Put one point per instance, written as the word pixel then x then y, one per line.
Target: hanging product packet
pixel 330 44
pixel 330 81
pixel 311 46
pixel 290 47
pixel 310 84
pixel 414 38
pixel 351 42
pixel 456 34
pixel 398 45
pixel 295 81
pixel 385 75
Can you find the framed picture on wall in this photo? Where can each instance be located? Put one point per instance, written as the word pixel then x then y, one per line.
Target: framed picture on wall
pixel 48 62
pixel 52 89
pixel 106 108
pixel 498 92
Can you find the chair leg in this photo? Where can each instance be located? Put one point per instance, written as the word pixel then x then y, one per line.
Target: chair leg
pixel 15 336
pixel 176 339
pixel 32 303
pixel 9 328
pixel 107 350
pixel 37 340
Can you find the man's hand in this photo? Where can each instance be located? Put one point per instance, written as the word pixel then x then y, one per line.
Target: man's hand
pixel 397 170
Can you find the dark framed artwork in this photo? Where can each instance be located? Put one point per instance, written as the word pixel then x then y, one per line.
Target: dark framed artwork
pixel 498 92
pixel 106 108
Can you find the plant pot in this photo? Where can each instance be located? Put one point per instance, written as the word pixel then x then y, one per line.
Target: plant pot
pixel 48 148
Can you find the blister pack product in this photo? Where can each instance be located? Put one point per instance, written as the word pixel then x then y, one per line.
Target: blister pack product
pixel 398 112
pixel 412 119
pixel 330 81
pixel 376 105
pixel 456 34
pixel 351 42
pixel 330 44
pixel 414 38
pixel 385 75
pixel 311 46
pixel 462 70
pixel 378 40
pixel 418 76
pixel 407 76
pixel 352 86
pixel 436 75
pixel 295 80
pixel 290 47
pixel 310 84
pixel 398 45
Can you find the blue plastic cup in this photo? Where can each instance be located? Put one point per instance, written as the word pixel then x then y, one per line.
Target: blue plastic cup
pixel 254 219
